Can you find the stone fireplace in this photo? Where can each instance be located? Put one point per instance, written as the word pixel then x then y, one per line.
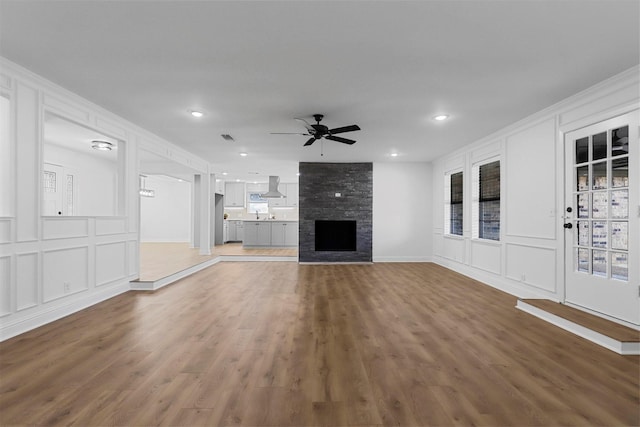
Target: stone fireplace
pixel 335 209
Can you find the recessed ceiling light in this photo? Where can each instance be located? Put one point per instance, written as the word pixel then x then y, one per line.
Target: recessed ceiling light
pixel 441 117
pixel 394 154
pixel 244 154
pixel 225 173
pixel 197 114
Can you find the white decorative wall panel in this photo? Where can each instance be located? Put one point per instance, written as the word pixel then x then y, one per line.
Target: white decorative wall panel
pixel 111 261
pixel 534 266
pixel 60 228
pixel 5 230
pixel 486 256
pixel 529 175
pixel 26 280
pixel 106 226
pixel 133 257
pixel 64 271
pixel 5 81
pixel 485 151
pixel 110 128
pixel 453 248
pixel 28 163
pixel 5 285
pixel 66 109
pixel 624 95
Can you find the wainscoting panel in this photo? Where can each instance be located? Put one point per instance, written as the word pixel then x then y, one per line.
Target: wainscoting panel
pixel 534 266
pixel 64 271
pixel 5 285
pixel 26 280
pixel 64 227
pixel 486 256
pixel 111 261
pixel 28 163
pixel 5 230
pixel 133 257
pixel 453 248
pixel 105 226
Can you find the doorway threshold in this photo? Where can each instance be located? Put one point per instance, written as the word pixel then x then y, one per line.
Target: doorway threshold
pixel 610 335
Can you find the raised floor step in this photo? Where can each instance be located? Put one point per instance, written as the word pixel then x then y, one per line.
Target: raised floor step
pixel 611 335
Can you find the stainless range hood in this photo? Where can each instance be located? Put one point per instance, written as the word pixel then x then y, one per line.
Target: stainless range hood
pixel 273 192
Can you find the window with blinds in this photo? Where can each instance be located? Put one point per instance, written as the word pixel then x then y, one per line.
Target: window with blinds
pixel 455 204
pixel 489 201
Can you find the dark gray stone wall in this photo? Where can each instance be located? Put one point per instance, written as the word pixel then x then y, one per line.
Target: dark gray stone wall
pixel 318 183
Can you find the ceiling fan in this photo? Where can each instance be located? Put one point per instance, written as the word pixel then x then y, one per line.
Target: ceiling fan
pixel 317 131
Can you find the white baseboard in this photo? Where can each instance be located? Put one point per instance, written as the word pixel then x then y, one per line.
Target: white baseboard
pixel 386 258
pixel 42 317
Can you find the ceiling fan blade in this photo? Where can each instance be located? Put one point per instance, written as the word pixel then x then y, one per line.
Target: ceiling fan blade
pixel 340 139
pixel 289 133
pixel 344 129
pixel 305 123
pixel 310 141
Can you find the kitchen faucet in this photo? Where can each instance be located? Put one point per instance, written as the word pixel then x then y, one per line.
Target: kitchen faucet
pixel 257 215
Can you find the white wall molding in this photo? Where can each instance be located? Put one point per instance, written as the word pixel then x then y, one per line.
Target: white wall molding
pixel 31 319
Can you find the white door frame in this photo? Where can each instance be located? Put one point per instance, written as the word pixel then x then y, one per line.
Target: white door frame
pixel 563 130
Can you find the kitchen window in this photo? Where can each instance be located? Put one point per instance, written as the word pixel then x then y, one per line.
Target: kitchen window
pixel 486 200
pixel 257 204
pixel 453 214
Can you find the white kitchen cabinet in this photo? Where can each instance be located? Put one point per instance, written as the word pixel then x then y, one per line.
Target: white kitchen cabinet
pixel 292 195
pixel 257 233
pixel 284 233
pixel 234 194
pixel 219 186
pixel 225 231
pixel 235 230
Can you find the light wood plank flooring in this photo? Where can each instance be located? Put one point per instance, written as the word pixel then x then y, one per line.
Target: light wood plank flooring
pixel 282 344
pixel 159 260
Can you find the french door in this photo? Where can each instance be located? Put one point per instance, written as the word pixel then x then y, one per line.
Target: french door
pixel 602 210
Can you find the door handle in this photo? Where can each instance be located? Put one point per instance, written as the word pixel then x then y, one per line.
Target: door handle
pixel 568 225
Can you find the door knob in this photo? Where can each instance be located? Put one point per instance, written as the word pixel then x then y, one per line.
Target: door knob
pixel 568 225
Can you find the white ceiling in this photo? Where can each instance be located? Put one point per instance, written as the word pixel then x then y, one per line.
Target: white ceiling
pixel 388 66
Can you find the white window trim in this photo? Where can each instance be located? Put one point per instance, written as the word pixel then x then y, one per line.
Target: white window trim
pixel 475 199
pixel 447 203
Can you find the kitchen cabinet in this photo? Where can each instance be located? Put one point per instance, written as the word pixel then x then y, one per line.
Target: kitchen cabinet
pixel 257 233
pixel 235 232
pixel 219 186
pixel 234 195
pixel 284 233
pixel 270 233
pixel 290 190
pixel 225 231
pixel 292 195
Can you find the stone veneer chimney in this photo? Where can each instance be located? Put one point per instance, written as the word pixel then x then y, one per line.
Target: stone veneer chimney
pixel 320 184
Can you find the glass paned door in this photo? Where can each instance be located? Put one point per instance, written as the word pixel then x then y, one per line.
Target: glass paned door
pixel 602 163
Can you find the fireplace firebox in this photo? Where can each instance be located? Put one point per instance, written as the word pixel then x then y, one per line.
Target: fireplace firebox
pixel 336 235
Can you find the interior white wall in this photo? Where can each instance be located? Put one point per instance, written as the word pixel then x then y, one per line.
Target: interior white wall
pixel 528 261
pixel 96 180
pixel 5 157
pixel 402 212
pixel 53 266
pixel 167 216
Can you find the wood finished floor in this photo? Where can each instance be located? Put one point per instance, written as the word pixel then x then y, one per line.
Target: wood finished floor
pixel 282 344
pixel 159 260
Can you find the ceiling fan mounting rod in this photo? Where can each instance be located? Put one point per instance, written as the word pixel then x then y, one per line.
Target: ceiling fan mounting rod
pixel 318 117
